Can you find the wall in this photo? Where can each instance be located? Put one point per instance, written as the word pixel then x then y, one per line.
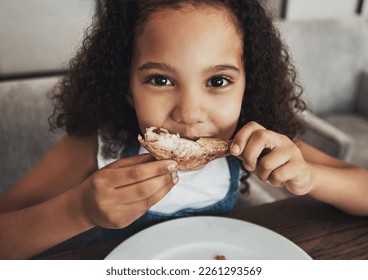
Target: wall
pixel 316 9
pixel 41 35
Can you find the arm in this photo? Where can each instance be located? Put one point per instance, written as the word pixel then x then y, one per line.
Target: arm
pixel 42 209
pixel 59 198
pixel 302 169
pixel 66 164
pixel 337 182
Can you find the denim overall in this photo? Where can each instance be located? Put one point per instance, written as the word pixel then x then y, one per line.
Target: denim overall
pixel 225 205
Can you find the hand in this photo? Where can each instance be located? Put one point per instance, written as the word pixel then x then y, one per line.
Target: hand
pixel 120 193
pixel 273 157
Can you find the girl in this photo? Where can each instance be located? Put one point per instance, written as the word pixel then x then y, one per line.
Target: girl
pixel 195 67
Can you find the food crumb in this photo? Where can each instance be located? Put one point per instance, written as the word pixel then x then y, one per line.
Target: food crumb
pixel 220 257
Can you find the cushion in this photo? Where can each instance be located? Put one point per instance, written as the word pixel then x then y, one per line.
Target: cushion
pixel 357 127
pixel 321 142
pixel 329 56
pixel 24 130
pixel 362 95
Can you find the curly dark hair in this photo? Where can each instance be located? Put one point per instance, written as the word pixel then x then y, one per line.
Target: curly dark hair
pixel 92 95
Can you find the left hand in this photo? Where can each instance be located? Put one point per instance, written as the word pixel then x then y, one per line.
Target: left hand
pixel 282 166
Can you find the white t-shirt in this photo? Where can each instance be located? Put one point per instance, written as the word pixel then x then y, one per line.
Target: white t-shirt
pixel 195 189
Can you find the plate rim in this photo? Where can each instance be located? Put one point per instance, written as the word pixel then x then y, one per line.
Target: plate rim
pixel 208 219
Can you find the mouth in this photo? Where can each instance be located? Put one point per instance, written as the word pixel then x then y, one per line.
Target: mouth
pixel 185 134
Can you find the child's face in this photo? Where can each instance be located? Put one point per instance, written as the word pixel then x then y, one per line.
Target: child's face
pixel 187 72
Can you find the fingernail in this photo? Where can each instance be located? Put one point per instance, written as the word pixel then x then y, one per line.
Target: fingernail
pixel 247 167
pixel 172 166
pixel 235 149
pixel 175 177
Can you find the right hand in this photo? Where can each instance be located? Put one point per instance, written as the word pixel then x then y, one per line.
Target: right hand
pixel 121 192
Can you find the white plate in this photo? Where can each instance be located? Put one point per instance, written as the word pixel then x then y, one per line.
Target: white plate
pixel 202 238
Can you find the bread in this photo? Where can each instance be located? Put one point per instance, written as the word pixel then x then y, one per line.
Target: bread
pixel 187 153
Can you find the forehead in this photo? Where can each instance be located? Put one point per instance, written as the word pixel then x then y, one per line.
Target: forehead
pixel 148 13
pixel 205 26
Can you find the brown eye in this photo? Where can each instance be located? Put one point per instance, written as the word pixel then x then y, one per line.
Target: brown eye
pixel 159 81
pixel 218 82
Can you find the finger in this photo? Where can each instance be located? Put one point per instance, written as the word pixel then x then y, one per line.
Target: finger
pixel 114 212
pixel 257 142
pixel 129 161
pixel 283 174
pixel 125 176
pixel 145 189
pixel 262 143
pixel 129 212
pixel 148 202
pixel 241 138
pixel 270 162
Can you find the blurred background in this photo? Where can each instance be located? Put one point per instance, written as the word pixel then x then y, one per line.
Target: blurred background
pixel 316 9
pixel 38 37
pixel 327 39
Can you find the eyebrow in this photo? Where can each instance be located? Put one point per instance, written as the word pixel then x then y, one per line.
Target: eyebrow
pixel 155 65
pixel 221 67
pixel 168 68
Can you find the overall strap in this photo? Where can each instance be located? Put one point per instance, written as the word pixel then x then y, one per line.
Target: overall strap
pixel 133 149
pixel 234 167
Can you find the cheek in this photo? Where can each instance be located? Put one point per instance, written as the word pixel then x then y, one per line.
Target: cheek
pixel 227 118
pixel 150 111
pixel 227 113
pixel 145 110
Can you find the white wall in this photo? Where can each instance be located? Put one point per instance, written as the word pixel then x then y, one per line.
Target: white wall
pixel 275 6
pixel 41 35
pixel 314 9
pixel 365 8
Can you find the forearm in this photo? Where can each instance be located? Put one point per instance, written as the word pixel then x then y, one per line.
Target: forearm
pixel 344 187
pixel 27 232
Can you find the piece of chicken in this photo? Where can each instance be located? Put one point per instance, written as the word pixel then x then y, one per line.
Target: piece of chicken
pixel 187 153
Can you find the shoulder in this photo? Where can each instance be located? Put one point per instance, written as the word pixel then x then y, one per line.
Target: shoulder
pixel 77 151
pixel 73 158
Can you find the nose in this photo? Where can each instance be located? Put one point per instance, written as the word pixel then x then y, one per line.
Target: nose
pixel 190 108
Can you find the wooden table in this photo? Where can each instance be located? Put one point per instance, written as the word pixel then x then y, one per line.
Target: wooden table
pixel 319 229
